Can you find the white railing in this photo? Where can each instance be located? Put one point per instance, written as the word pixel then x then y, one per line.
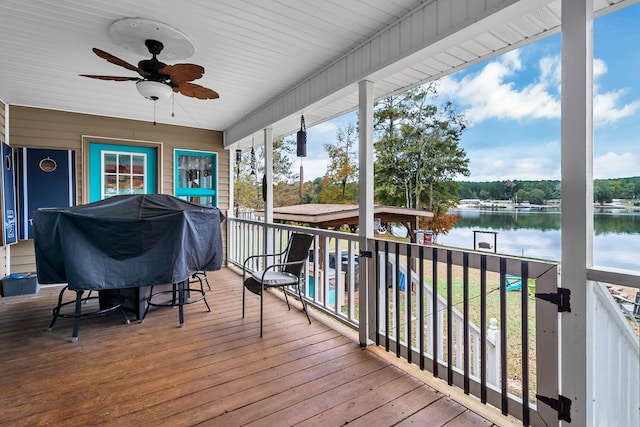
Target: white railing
pixel 438 333
pixel 330 277
pixel 616 363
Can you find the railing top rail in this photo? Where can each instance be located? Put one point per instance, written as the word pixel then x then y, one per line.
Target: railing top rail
pixel 536 267
pixel 615 276
pixel 329 233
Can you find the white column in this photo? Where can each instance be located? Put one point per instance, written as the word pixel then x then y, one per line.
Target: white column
pixel 268 203
pixel 365 200
pixel 577 199
pixel 232 176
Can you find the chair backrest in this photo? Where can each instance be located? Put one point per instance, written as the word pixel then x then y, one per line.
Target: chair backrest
pixel 298 250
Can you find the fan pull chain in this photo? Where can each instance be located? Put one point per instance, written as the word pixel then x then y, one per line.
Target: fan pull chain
pixel 154 112
pixel 173 103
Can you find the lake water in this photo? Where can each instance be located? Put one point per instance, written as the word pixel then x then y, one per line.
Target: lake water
pixel 536 234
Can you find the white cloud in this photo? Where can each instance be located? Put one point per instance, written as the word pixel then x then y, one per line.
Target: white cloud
pixel 490 94
pixel 324 127
pixel 614 165
pixel 493 93
pixel 313 168
pixel 550 70
pixel 606 110
pixel 535 161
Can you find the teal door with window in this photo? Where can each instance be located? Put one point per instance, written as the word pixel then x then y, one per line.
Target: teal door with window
pixel 196 176
pixel 121 169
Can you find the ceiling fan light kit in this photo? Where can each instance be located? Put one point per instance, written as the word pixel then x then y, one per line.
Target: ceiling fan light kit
pixel 154 91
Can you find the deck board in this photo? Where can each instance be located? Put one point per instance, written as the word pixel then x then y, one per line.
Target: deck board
pixel 214 371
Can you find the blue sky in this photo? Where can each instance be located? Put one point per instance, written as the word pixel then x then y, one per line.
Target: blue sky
pixel 512 103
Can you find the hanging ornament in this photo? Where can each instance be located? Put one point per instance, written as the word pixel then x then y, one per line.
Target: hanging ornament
pixel 302 139
pixel 302 150
pixel 238 161
pixel 301 179
pixel 253 160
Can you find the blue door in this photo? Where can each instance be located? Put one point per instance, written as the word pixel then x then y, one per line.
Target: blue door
pixel 121 169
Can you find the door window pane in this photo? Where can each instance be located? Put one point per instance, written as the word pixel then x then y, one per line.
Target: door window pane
pixel 123 173
pixel 196 176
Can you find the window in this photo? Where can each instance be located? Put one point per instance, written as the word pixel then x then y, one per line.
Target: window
pixel 123 173
pixel 196 176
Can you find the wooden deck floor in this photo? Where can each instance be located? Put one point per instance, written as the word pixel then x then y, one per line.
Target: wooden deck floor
pixel 214 371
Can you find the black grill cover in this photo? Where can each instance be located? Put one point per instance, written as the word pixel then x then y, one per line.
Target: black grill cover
pixel 126 241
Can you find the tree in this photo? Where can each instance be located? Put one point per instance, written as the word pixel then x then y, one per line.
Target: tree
pixel 282 163
pixel 602 192
pixel 510 188
pixel 248 185
pixel 417 151
pixel 537 196
pixel 522 195
pixel 342 169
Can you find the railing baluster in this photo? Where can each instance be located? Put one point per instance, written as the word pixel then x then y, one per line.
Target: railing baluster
pixel 420 296
pixel 386 295
pixel 503 336
pixel 434 309
pixel 396 293
pixel 465 299
pixel 378 289
pixel 524 300
pixel 483 328
pixel 408 309
pixel 449 317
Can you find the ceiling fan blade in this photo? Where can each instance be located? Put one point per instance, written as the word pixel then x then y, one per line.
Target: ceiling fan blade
pixel 117 61
pixel 116 78
pixel 182 73
pixel 196 91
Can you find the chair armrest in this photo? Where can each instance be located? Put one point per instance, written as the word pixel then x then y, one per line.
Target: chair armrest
pixel 282 264
pixel 247 259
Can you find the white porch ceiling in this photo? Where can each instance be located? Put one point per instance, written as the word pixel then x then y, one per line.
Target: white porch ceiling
pixel 254 53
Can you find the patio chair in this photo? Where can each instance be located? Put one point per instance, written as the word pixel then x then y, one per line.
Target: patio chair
pixel 283 274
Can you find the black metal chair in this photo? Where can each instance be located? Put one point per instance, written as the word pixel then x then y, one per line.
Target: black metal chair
pixel 180 294
pixel 105 307
pixel 283 274
pixel 202 275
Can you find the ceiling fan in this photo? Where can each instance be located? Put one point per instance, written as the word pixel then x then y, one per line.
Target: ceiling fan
pixel 158 80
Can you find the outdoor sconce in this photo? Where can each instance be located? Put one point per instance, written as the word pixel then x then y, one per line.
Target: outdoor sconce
pixel 302 139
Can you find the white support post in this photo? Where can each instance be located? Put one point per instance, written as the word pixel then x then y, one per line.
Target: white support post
pixel 268 203
pixel 365 201
pixel 577 201
pixel 231 212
